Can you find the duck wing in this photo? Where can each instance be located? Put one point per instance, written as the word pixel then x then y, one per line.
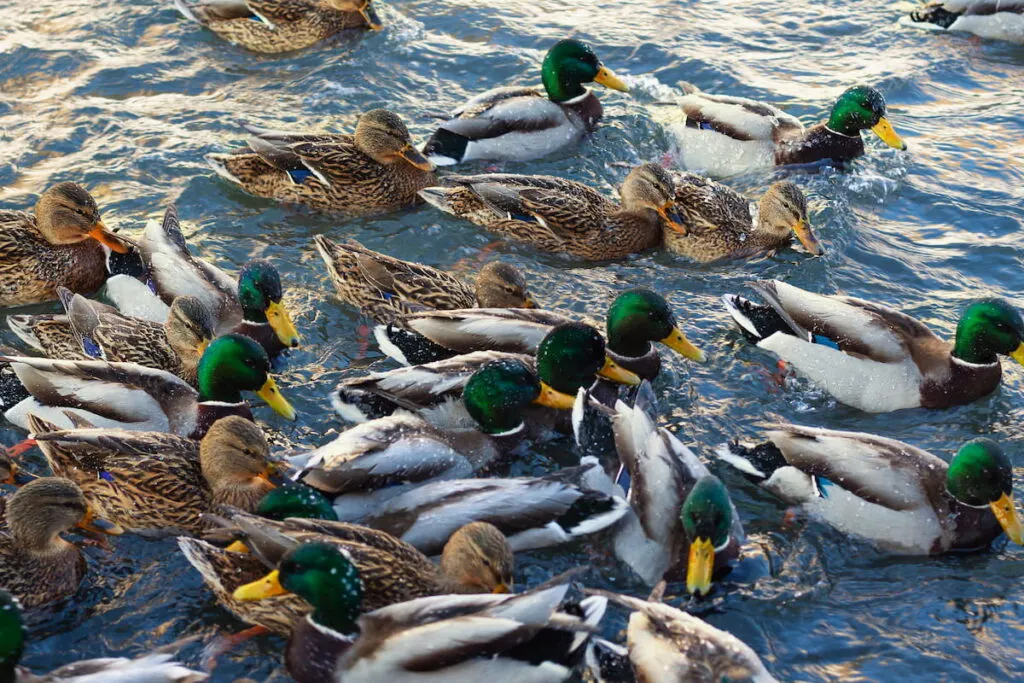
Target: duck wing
pixel 330 158
pixel 505 110
pixel 739 117
pixel 708 205
pixel 513 330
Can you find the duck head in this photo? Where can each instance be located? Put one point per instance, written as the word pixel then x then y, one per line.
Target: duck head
pixel 67 214
pixel 987 328
pixel 260 293
pixel 980 475
pixel 234 363
pixel 296 501
pixel 568 65
pixel 707 517
pixel 860 108
pixel 478 559
pixel 650 187
pixel 363 7
pixel 783 209
pixel 502 285
pixel 638 317
pixel 382 136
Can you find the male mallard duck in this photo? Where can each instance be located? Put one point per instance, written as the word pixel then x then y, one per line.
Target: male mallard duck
pixel 476 559
pixel 680 509
pixel 374 171
pixel 667 645
pixel 154 481
pixel 130 396
pixel 37 566
pixel 571 355
pixel 719 224
pixel 520 123
pixel 149 668
pixel 635 319
pixel 251 305
pixel 382 286
pixel 724 135
pixel 877 359
pixel 899 497
pixel 1001 20
pixel 560 215
pixel 90 330
pixel 62 244
pixel 273 26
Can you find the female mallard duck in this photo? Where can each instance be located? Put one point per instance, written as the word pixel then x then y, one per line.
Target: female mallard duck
pixel 149 668
pixel 273 26
pixel 130 396
pixel 667 645
pixel 559 215
pixel 725 135
pixel 91 330
pixel 37 566
pixel 520 123
pixel 682 514
pixel 570 355
pixel 251 305
pixel 383 287
pixel 433 629
pixel 62 244
pixel 719 224
pixel 897 496
pixel 876 359
pixel 154 481
pixel 476 559
pixel 1001 20
pixel 636 319
pixel 374 171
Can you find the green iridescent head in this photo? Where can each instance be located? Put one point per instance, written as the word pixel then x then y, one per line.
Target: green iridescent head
pixel 12 636
pixel 296 501
pixel 571 356
pixel 260 293
pixel 987 328
pixel 638 317
pixel 861 108
pixel 981 475
pixel 568 65
pixel 707 518
pixel 234 363
pixel 497 395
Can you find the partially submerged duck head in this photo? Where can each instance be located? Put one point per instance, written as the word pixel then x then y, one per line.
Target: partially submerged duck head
pixel 478 559
pixel 502 285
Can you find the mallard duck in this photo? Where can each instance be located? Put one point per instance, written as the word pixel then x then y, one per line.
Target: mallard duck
pixel 374 171
pixel 251 305
pixel 719 224
pixel 1001 20
pixel 560 215
pixel 682 514
pixel 149 668
pixel 877 359
pixel 571 355
pixel 91 330
pixel 382 287
pixel 159 482
pixel 61 244
pixel 522 123
pixel 37 566
pixel 725 135
pixel 430 629
pixel 667 645
pixel 476 559
pixel 899 497
pixel 273 26
pixel 130 396
pixel 636 318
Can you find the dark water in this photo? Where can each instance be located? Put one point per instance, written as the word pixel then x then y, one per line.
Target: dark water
pixel 127 98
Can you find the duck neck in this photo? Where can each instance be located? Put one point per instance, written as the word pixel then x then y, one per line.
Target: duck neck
pixel 338 616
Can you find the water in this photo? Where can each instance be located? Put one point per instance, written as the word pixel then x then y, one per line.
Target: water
pixel 127 98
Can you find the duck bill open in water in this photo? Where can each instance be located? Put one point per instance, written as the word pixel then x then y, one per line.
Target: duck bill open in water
pixel 273 398
pixel 281 322
pixel 1006 513
pixel 884 130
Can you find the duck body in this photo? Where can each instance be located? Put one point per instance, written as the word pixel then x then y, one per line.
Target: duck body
pixel 874 358
pixel 1001 20
pixel 886 491
pixel 273 26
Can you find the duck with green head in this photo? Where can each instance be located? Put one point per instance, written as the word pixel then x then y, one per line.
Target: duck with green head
pixel 725 135
pixel 875 358
pixel 524 123
pixel 134 397
pixel 899 497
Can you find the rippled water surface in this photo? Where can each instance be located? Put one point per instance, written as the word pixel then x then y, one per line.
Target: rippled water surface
pixel 126 98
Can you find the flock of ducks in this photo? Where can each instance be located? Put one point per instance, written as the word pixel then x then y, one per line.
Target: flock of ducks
pixel 139 404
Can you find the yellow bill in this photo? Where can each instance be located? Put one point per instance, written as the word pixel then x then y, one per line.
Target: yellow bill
pixel 1018 354
pixel 700 566
pixel 529 302
pixel 1006 512
pixel 552 398
pixel 237 547
pixel 267 587
pixel 883 129
pixel 281 322
pixel 802 230
pixel 609 80
pixel 502 588
pixel 269 393
pixel 370 16
pixel 678 342
pixel 416 158
pixel 617 373
pixel 101 234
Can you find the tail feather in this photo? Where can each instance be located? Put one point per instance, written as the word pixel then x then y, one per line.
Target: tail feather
pixel 437 197
pixel 446 148
pixel 757 463
pixel 21 325
pixel 757 321
pixel 935 14
pixel 186 11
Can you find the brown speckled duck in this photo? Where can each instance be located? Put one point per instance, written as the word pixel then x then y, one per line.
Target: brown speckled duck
pixel 375 170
